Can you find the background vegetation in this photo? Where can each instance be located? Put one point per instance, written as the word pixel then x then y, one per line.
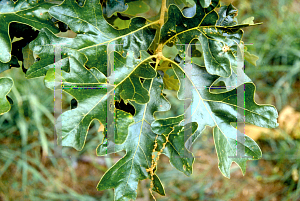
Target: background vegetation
pixel 28 170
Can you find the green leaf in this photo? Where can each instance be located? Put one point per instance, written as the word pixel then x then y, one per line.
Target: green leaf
pixel 139 76
pixel 237 76
pixel 217 60
pixel 125 174
pixel 180 157
pixel 67 34
pixel 157 185
pixel 136 7
pixel 162 126
pixel 30 12
pixel 249 20
pixel 226 150
pixel 183 30
pixel 205 3
pixel 93 36
pixel 178 25
pixel 227 16
pixel 230 82
pixel 170 52
pixel 92 103
pixel 5 87
pixel 46 54
pixel 170 82
pixel 15 39
pixel 188 3
pixel 209 109
pixel 218 33
pixel 131 88
pixel 28 58
pixel 12 63
pixel 121 24
pixel 251 58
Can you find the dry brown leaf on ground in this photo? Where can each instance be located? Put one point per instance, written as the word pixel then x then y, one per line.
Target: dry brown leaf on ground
pixel 255 132
pixel 101 128
pixel 289 121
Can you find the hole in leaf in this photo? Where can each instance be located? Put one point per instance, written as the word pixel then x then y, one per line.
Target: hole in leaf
pixel 125 107
pixel 74 103
pixel 23 68
pixel 10 100
pixel 123 17
pixel 177 59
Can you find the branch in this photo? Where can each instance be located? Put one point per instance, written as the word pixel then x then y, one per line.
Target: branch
pixel 161 20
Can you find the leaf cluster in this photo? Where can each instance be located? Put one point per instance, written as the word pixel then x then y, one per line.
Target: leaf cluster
pixel 130 52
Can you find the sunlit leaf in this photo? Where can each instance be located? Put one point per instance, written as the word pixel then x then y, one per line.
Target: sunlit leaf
pixel 218 34
pixel 125 174
pixel 219 110
pixel 94 33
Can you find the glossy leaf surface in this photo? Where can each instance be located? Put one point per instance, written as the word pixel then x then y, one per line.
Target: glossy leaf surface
pixel 90 89
pixel 116 64
pixel 32 13
pixel 219 110
pixel 94 33
pixel 218 34
pixel 126 173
